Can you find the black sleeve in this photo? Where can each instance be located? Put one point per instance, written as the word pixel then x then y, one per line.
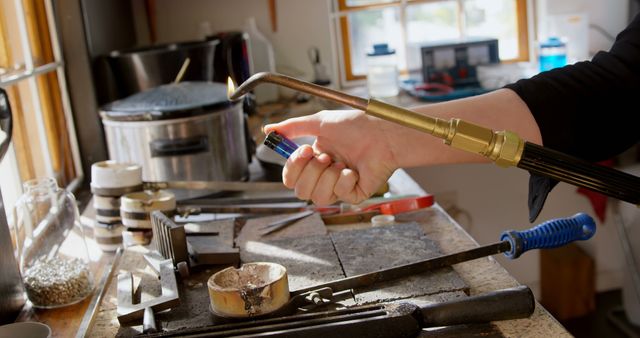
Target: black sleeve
pixel 590 109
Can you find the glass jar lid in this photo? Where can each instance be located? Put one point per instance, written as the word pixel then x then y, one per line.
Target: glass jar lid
pixel 552 42
pixel 381 49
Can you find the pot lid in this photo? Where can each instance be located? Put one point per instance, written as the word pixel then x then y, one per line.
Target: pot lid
pixel 169 101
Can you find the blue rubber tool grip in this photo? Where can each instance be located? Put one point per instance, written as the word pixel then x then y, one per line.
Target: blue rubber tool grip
pixel 550 234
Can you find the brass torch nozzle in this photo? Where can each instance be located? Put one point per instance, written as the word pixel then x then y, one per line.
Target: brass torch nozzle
pixel 505 148
pixel 303 86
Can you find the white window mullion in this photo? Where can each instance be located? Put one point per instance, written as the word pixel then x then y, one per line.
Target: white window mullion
pixel 71 129
pixel 24 36
pixel 33 86
pixel 462 26
pixel 342 71
pixel 62 82
pixel 531 28
pixel 334 33
pixel 53 33
pixel 40 126
pixel 403 32
pixel 16 77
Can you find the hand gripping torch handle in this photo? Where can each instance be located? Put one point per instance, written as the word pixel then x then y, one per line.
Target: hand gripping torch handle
pixel 504 148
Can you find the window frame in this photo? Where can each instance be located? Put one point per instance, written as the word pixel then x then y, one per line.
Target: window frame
pixel 341 15
pixel 43 74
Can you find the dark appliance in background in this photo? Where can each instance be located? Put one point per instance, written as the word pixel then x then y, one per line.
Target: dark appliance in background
pixel 183 129
pixel 232 60
pixel 124 72
pixel 11 287
pixel 453 63
pixel 135 70
pixel 231 57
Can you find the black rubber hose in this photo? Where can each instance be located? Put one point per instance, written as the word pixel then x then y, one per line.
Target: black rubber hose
pixel 546 162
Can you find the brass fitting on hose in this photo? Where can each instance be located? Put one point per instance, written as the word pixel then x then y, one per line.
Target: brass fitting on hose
pixel 503 147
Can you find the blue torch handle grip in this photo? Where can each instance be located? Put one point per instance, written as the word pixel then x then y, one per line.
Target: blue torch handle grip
pixel 280 144
pixel 550 234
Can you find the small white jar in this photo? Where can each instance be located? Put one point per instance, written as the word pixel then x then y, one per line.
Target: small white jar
pixel 382 71
pixel 136 208
pixel 109 181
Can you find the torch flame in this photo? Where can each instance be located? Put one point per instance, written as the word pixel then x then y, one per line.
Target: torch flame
pixel 231 87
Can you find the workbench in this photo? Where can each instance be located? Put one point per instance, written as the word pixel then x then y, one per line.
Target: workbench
pixel 90 318
pixel 482 275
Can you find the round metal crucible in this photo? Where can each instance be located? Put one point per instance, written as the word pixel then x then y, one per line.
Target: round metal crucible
pixel 253 290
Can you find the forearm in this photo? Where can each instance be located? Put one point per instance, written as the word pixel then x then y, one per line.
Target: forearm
pixel 499 110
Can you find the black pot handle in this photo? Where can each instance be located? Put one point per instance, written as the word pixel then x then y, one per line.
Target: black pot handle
pixel 249 141
pixel 6 121
pixel 180 146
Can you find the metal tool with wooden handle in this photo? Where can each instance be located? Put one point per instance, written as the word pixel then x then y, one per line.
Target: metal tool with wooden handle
pixel 404 319
pixel 380 320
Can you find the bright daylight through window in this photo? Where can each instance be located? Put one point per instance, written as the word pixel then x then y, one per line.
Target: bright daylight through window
pixel 31 73
pixel 408 24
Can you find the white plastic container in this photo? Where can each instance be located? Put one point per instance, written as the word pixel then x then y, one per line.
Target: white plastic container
pixel 118 178
pixel 262 60
pixel 382 71
pixel 553 54
pixel 111 174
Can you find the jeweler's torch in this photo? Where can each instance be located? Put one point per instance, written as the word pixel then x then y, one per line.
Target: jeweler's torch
pixel 505 148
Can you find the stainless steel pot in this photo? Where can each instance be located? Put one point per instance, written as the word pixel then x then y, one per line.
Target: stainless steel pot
pixel 143 68
pixel 187 131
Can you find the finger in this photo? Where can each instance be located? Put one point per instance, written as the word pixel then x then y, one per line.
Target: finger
pixel 309 176
pixel 295 164
pixel 345 188
pixel 323 192
pixel 296 127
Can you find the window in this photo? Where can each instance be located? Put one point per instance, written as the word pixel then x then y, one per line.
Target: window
pixel 408 24
pixel 31 71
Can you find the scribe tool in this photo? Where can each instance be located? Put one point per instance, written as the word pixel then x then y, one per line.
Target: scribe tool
pixel 505 148
pixel 285 222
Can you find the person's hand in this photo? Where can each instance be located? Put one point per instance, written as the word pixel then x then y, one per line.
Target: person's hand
pixel 351 158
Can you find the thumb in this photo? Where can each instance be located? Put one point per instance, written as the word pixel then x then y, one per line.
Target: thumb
pixel 296 127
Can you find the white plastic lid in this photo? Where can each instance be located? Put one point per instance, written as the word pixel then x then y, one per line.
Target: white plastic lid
pixel 111 174
pixel 380 220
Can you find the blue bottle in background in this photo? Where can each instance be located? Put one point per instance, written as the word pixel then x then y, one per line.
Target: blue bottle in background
pixel 553 54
